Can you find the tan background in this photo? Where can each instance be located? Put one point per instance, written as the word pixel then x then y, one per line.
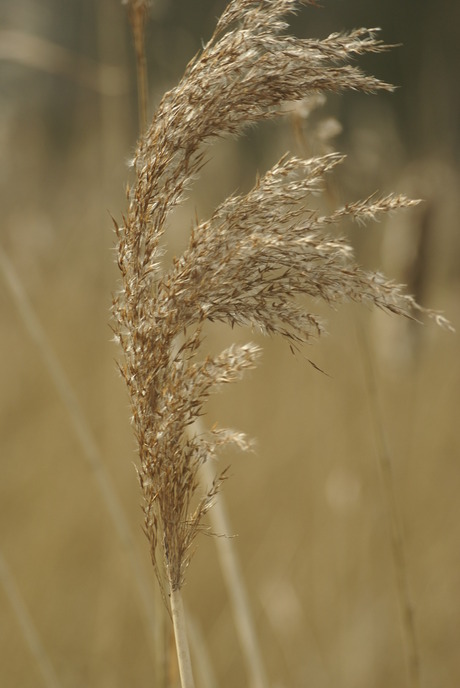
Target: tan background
pixel 308 506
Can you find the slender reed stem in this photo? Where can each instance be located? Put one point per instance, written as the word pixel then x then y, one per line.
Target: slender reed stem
pixel 138 10
pixel 202 659
pixel 180 634
pixel 141 66
pixel 394 519
pixel 236 589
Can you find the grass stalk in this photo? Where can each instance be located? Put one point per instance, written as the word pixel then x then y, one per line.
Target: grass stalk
pixel 234 581
pixel 137 12
pixel 199 650
pixel 180 635
pixel 398 550
pixel 227 556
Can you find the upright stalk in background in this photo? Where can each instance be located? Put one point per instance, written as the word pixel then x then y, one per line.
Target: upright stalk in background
pixel 250 263
pixel 409 632
pixel 137 12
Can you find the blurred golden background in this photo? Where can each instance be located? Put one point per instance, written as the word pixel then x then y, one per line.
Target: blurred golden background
pixel 308 507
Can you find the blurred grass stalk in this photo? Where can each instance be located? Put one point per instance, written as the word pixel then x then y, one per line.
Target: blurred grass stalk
pixel 398 550
pixel 149 603
pixel 137 13
pixel 236 587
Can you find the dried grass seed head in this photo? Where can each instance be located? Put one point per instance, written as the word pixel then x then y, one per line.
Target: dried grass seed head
pixel 247 264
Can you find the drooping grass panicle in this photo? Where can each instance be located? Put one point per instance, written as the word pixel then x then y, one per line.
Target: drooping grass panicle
pixel 242 76
pixel 246 265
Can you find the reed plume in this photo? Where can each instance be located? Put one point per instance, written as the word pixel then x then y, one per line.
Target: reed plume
pixel 252 262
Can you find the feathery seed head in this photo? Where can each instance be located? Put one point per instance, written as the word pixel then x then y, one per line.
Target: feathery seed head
pixel 245 265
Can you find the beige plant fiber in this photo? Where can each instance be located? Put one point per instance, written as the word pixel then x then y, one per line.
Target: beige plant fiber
pixel 251 263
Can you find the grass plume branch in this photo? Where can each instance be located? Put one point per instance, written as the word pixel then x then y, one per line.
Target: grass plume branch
pixel 257 261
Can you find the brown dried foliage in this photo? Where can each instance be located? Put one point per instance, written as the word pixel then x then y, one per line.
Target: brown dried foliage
pixel 248 264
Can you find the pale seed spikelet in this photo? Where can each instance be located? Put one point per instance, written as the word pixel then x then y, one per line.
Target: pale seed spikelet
pixel 245 265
